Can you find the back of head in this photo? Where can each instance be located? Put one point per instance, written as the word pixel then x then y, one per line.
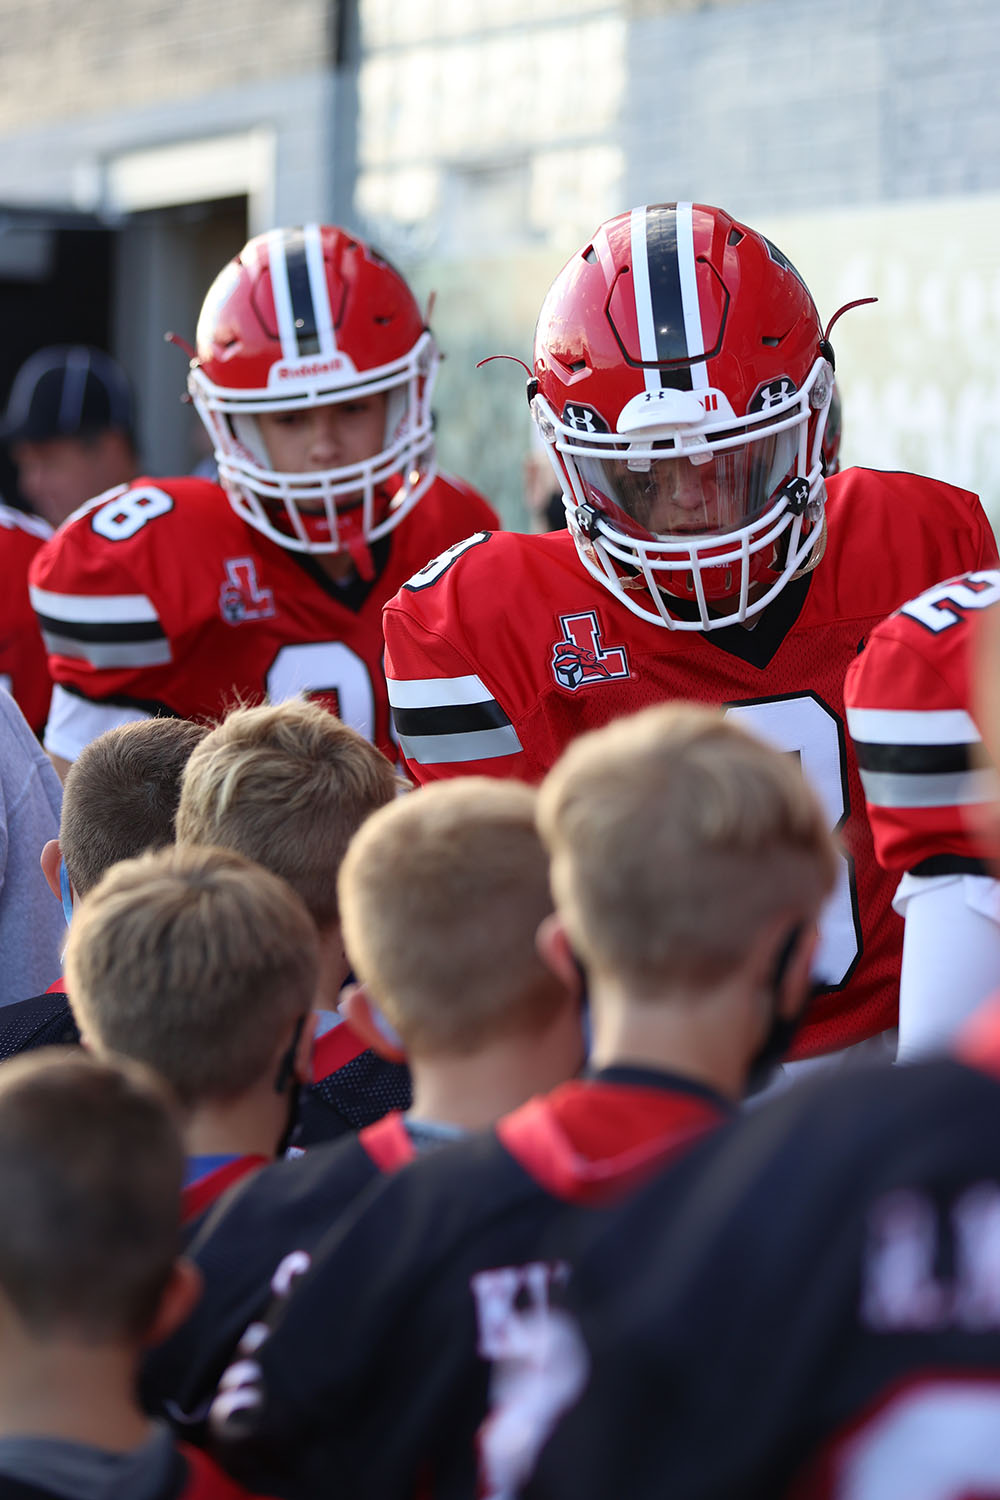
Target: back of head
pixel 287 785
pixel 441 896
pixel 91 1166
pixel 121 795
pixel 195 962
pixel 675 839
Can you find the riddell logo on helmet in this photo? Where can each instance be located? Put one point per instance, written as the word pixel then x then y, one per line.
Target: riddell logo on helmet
pixel 306 369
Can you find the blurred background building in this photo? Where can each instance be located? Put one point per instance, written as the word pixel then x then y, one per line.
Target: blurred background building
pixel 479 146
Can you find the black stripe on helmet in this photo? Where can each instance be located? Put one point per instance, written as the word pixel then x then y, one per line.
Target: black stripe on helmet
pixel 300 293
pixel 665 296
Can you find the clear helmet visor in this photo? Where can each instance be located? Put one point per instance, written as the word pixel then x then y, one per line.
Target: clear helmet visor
pixel 705 493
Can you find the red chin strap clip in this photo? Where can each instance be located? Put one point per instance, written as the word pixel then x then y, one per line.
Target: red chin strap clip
pixel 361 556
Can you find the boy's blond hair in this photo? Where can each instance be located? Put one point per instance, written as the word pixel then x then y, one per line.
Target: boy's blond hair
pixel 286 784
pixel 675 839
pixel 441 895
pixel 121 795
pixel 195 962
pixel 91 1166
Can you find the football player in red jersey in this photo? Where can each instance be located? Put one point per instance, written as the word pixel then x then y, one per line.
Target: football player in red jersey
pixel 313 375
pixel 682 379
pixel 911 716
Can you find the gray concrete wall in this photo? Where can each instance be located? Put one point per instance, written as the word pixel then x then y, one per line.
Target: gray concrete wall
pixel 780 105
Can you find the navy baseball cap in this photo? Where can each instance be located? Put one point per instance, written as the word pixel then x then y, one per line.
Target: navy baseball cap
pixel 67 392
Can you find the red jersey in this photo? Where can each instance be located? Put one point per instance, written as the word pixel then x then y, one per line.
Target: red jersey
pixel 909 715
pixel 504 649
pixel 23 668
pixel 159 597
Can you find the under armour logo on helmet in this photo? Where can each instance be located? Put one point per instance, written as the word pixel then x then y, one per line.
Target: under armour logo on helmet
pixel 775 393
pixel 583 418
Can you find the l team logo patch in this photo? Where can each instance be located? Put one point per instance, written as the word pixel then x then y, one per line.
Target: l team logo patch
pixel 241 597
pixel 581 658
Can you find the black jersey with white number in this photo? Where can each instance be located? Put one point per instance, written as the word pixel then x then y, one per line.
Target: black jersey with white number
pixel 815 1315
pixel 382 1363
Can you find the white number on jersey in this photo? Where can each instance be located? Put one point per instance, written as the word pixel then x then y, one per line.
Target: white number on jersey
pixel 805 726
pixel 326 667
pixel 934 1441
pixel 931 610
pixel 432 571
pixel 121 517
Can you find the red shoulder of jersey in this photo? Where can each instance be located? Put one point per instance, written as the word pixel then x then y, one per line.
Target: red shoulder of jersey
pixel 120 586
pixel 23 667
pixel 909 714
pixel 891 535
pixel 466 638
pixel 450 510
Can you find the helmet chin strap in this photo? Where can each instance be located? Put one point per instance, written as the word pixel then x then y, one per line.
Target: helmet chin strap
pixel 361 556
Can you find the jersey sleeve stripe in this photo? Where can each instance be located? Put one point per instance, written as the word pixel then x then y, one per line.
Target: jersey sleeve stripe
pixel 459 718
pixel 114 653
pixel 895 726
pixel 441 749
pixel 100 608
pixel 887 789
pixel 914 760
pixel 436 692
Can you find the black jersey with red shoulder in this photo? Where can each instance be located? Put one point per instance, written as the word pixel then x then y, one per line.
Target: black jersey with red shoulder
pixel 815 1315
pixel 24 669
pixel 501 690
pixel 910 715
pixel 249 1246
pixel 159 596
pixel 379 1365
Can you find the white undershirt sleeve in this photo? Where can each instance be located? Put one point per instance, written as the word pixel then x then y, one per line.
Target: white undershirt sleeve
pixel 75 721
pixel 951 956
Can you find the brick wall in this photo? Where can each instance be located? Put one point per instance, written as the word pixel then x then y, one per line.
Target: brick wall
pixel 63 59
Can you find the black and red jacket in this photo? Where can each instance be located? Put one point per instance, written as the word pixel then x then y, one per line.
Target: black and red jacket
pixel 274 1210
pixel 377 1368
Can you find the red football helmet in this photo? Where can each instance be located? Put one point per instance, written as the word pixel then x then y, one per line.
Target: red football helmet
pixel 300 318
pixel 681 381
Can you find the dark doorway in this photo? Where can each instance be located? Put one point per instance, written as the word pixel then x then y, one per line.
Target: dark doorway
pixel 55 288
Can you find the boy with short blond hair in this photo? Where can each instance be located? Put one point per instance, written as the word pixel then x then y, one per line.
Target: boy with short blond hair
pixel 288 785
pixel 203 966
pixel 437 892
pixel 675 840
pixel 442 893
pixel 690 863
pixel 91 1165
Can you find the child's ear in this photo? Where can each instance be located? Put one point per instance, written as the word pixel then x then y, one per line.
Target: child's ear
pixel 556 952
pixel 363 1016
pixel 49 860
pixel 177 1301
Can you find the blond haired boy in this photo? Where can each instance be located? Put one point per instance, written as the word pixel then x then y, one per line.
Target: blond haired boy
pixel 441 895
pixel 288 785
pixel 690 863
pixel 203 966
